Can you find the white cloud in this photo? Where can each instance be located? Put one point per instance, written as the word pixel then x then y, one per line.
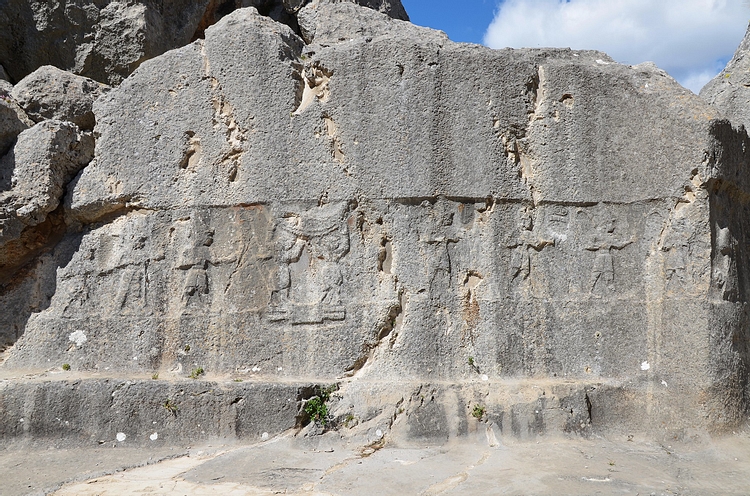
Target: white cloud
pixel 690 39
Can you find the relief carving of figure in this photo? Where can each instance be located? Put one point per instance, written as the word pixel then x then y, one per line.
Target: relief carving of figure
pixel 194 261
pixel 676 246
pixel 310 246
pixel 437 235
pixel 525 241
pixel 725 270
pixel 603 242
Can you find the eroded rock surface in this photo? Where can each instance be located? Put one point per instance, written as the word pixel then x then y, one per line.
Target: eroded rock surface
pixel 106 40
pixel 13 119
pixel 32 180
pixel 547 234
pixel 51 93
pixel 729 91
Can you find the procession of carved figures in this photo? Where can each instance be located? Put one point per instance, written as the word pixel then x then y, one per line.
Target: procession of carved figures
pixel 288 262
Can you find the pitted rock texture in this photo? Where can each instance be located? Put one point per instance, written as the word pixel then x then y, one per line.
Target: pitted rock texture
pixel 729 91
pixel 386 205
pixel 32 180
pixel 371 204
pixel 13 119
pixel 51 93
pixel 106 40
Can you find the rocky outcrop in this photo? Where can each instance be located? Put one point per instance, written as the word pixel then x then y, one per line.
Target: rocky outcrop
pixel 13 119
pixel 50 93
pixel 543 239
pixel 729 91
pixel 33 177
pixel 108 39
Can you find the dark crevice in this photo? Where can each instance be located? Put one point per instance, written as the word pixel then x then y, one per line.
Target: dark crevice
pixel 275 9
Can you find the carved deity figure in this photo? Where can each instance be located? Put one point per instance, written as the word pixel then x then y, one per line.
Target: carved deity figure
pixel 725 269
pixel 525 241
pixel 438 232
pixel 676 246
pixel 194 261
pixel 603 242
pixel 310 246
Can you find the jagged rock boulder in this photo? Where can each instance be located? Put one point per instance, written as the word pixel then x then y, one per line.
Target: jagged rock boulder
pixel 33 177
pixel 51 93
pixel 729 91
pixel 13 119
pixel 327 23
pixel 106 40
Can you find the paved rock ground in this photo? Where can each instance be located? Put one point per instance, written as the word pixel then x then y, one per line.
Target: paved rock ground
pixel 326 465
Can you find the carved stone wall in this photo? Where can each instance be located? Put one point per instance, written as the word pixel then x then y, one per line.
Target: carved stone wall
pixel 394 208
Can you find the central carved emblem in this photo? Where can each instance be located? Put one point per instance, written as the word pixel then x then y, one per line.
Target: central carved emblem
pixel 310 245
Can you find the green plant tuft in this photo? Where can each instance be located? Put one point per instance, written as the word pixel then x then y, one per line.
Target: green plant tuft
pixel 155 376
pixel 170 406
pixel 316 407
pixel 197 372
pixel 66 366
pixel 478 412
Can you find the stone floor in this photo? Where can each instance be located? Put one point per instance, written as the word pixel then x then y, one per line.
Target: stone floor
pixel 327 465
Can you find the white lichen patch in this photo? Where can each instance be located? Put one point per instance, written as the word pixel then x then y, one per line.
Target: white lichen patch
pixel 78 338
pixel 645 366
pixel 154 436
pixel 121 437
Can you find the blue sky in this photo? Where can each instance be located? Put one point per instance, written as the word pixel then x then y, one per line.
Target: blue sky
pixel 690 39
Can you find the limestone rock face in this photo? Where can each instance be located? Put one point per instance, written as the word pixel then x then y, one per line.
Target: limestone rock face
pixel 13 119
pixel 108 39
pixel 32 180
pixel 51 93
pixel 386 205
pixel 729 91
pixel 432 225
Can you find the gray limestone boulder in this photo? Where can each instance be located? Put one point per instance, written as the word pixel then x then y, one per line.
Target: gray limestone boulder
pixel 33 176
pixel 106 40
pixel 326 23
pixel 729 91
pixel 13 119
pixel 51 93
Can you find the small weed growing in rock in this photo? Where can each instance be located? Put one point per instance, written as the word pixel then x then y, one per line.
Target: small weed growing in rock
pixel 350 421
pixel 155 376
pixel 471 361
pixel 478 412
pixel 171 407
pixel 317 410
pixel 238 380
pixel 187 348
pixel 197 373
pixel 66 367
pixel 316 407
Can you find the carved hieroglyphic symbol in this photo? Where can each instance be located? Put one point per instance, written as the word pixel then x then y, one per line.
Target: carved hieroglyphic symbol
pixel 310 245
